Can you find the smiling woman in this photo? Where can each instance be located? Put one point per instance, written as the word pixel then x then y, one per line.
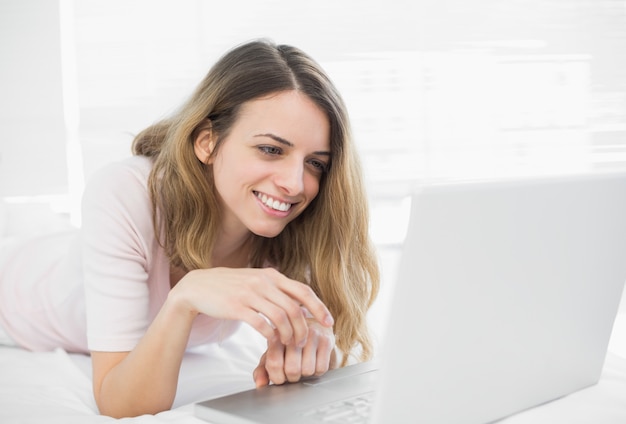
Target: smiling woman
pixel 247 205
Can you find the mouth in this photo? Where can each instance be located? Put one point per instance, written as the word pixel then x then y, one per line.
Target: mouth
pixel 272 203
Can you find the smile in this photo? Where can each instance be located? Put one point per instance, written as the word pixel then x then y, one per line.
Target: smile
pixel 273 204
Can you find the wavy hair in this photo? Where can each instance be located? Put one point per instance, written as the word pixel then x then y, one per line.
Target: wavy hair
pixel 327 246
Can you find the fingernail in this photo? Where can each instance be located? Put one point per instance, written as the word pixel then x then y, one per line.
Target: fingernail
pixel 329 320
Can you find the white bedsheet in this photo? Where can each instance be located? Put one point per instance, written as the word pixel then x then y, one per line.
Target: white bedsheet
pixel 55 387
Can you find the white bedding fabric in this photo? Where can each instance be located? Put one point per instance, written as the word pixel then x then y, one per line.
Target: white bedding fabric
pixel 55 387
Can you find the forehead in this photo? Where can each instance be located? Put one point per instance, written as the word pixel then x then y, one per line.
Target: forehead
pixel 290 115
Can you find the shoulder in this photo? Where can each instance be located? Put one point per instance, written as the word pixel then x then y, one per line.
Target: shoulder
pixel 125 180
pixel 116 217
pixel 118 192
pixel 129 171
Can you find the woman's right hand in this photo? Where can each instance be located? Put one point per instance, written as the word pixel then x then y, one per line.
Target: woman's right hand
pixel 262 297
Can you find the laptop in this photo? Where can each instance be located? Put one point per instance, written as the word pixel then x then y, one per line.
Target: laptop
pixel 505 299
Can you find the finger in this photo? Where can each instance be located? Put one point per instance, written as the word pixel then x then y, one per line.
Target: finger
pixel 259 323
pixel 260 375
pixel 307 298
pixel 285 313
pixel 293 363
pixel 333 359
pixel 323 355
pixel 317 354
pixel 309 357
pixel 277 316
pixel 275 362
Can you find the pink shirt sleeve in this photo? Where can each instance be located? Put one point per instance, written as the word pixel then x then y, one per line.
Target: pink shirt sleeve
pixel 118 243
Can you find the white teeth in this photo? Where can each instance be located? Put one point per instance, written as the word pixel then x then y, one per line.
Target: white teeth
pixel 274 204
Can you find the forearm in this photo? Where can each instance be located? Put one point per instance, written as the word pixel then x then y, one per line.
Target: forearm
pixel 145 381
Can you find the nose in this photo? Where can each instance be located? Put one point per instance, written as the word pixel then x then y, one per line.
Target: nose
pixel 290 177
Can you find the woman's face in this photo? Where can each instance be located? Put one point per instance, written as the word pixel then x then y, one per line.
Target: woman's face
pixel 268 169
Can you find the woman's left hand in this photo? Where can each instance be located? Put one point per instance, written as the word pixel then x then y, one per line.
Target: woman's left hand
pixel 289 363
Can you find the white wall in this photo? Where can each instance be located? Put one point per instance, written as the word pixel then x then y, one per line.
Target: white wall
pixel 32 128
pixel 450 89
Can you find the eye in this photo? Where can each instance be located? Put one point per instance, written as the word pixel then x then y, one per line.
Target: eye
pixel 319 166
pixel 270 150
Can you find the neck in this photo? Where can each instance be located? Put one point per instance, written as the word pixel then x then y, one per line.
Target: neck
pixel 232 252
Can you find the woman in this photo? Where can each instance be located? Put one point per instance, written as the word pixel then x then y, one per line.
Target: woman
pixel 246 205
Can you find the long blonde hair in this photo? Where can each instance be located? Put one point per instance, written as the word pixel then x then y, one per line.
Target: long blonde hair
pixel 327 246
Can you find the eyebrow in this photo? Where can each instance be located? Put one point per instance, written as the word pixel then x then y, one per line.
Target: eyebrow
pixel 288 143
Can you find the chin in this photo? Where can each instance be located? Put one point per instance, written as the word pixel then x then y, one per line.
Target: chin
pixel 267 232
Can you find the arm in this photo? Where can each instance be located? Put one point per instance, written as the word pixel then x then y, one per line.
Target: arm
pixel 144 380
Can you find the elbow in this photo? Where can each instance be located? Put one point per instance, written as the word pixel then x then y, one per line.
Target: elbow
pixel 131 408
pixel 116 404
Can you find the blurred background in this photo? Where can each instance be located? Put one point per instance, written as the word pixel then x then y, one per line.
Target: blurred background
pixel 437 90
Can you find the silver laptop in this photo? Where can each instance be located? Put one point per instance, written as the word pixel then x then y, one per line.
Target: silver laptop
pixel 505 299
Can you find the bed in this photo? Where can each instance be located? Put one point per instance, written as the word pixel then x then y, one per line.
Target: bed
pixel 55 387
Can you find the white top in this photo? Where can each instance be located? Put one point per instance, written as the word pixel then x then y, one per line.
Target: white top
pixel 123 270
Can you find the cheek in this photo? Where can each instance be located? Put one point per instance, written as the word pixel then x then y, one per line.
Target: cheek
pixel 228 174
pixel 225 178
pixel 311 186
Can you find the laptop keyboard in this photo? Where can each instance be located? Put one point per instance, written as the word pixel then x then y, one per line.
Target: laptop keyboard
pixel 352 410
